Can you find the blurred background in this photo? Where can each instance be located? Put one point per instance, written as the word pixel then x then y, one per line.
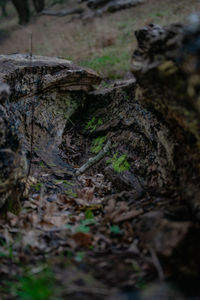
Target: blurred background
pixel 99 39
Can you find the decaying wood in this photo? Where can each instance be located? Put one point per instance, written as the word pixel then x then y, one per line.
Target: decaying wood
pixel 153 122
pixel 112 5
pixel 13 163
pixel 94 159
pixel 55 89
pixel 167 70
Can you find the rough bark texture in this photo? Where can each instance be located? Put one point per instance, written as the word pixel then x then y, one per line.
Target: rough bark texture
pixel 45 92
pixel 13 164
pixel 151 122
pixel 167 70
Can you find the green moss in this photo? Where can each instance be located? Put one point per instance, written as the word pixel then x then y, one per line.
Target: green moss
pixel 97 144
pixel 119 163
pixel 93 123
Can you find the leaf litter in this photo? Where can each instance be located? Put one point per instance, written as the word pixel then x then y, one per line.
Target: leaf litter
pixel 88 233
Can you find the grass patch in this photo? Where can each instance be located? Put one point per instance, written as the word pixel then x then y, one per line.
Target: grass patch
pixel 39 286
pixel 110 64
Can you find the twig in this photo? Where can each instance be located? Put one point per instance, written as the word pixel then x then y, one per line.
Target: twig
pixel 93 160
pixel 128 216
pixel 90 290
pixel 157 264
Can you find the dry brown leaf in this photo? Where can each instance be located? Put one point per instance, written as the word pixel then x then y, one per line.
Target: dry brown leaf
pixel 109 209
pixel 12 219
pixel 32 238
pixel 82 239
pixel 86 193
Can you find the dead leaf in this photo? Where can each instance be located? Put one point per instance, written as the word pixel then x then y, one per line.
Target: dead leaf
pixel 82 239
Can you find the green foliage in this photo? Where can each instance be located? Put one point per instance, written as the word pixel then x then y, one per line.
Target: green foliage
pixel 65 182
pixel 34 286
pixel 115 229
pixel 37 186
pixel 70 193
pixel 82 228
pixel 98 61
pixel 41 164
pixel 93 123
pixel 68 226
pixel 110 62
pixel 89 215
pixel 97 144
pixel 79 256
pixel 69 253
pixel 88 221
pixel 119 163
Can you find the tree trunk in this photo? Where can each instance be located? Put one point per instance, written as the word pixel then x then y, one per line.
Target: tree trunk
pixel 39 5
pixel 3 8
pixel 23 11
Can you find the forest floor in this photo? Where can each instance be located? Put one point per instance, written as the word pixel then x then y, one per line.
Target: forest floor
pixel 104 44
pixel 81 243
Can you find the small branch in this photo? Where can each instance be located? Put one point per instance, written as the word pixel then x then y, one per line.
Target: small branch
pixel 62 13
pixel 93 160
pixel 157 264
pixel 128 216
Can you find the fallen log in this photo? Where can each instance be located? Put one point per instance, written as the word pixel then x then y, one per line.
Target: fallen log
pixel 96 3
pixel 13 163
pixel 116 5
pixel 166 65
pixel 112 5
pixel 62 13
pixel 44 93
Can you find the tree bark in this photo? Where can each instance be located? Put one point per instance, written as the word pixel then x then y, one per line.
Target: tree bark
pixel 39 5
pixel 23 11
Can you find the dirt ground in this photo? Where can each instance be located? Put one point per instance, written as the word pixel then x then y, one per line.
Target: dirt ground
pixel 104 43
